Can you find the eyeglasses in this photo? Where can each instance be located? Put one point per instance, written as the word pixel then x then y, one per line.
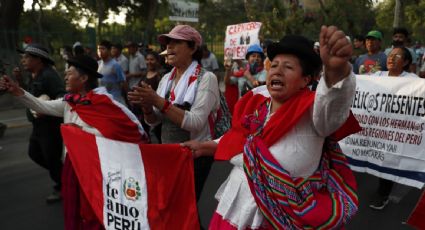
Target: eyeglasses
pixel 395 57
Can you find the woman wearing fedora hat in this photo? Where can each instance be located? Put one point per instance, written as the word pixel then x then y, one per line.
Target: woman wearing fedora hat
pixel 288 172
pixel 186 98
pixel 91 109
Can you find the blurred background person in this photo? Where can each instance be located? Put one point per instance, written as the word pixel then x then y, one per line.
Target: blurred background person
pixel 399 61
pixel 400 39
pixel 152 78
pixel 209 61
pixel 255 74
pixel 358 47
pixel 116 52
pixel 374 60
pixel 45 144
pixel 137 65
pixel 113 76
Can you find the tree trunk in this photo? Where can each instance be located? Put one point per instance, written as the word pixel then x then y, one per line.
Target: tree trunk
pixel 101 15
pixel 152 7
pixel 10 13
pixel 397 14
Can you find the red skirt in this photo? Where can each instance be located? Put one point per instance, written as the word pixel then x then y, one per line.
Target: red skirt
pixel 78 214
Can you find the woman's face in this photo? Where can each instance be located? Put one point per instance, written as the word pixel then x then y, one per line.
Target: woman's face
pixel 285 77
pixel 151 62
pixel 179 52
pixel 74 82
pixel 254 57
pixel 395 60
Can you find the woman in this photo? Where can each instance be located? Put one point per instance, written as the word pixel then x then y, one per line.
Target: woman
pixel 254 73
pixel 280 178
pixel 186 98
pixel 152 78
pixel 398 63
pixel 91 109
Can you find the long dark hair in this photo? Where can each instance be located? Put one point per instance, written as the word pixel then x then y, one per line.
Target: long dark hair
pixel 406 57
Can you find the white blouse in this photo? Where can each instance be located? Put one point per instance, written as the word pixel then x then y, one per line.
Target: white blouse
pixel 196 119
pixel 299 151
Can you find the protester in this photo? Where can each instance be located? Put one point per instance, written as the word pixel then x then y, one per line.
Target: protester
pixel 209 61
pixel 116 53
pixel 400 39
pixel 358 47
pixel 374 60
pixel 234 70
pixel 398 62
pixel 93 110
pixel 45 144
pixel 137 65
pixel 267 62
pixel 152 78
pixel 185 99
pixel 113 76
pixel 277 137
pixel 66 53
pixel 255 72
pixel 78 49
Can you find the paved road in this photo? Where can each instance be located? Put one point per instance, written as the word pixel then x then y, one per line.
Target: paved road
pixel 24 185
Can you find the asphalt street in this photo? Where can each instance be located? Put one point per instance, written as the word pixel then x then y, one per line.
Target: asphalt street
pixel 24 186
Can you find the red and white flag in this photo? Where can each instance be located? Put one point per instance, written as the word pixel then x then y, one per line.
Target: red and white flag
pixel 134 186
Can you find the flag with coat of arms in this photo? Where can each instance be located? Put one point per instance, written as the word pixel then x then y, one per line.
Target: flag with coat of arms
pixel 134 186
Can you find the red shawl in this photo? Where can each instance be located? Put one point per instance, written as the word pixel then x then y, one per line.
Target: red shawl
pixel 279 124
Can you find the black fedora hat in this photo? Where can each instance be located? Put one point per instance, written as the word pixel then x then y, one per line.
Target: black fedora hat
pixel 86 63
pixel 39 51
pixel 299 46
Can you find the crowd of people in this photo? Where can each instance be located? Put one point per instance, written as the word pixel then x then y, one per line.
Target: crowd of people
pixel 283 96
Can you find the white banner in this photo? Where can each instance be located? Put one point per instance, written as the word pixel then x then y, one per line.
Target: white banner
pixel 391 111
pixel 239 37
pixel 184 10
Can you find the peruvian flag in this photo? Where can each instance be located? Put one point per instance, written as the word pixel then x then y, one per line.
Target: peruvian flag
pixel 134 186
pixel 417 217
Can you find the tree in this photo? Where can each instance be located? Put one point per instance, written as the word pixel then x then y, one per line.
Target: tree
pixel 93 10
pixel 10 12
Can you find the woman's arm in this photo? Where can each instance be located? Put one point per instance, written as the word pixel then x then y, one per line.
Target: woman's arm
pixel 336 89
pixel 52 108
pixel 199 149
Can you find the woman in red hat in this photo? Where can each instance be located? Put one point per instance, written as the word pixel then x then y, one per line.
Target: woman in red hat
pixel 187 98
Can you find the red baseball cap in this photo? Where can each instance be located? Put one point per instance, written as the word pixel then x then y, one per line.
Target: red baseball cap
pixel 181 32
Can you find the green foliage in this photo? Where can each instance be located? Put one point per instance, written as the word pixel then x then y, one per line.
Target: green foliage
pixel 412 18
pixel 352 16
